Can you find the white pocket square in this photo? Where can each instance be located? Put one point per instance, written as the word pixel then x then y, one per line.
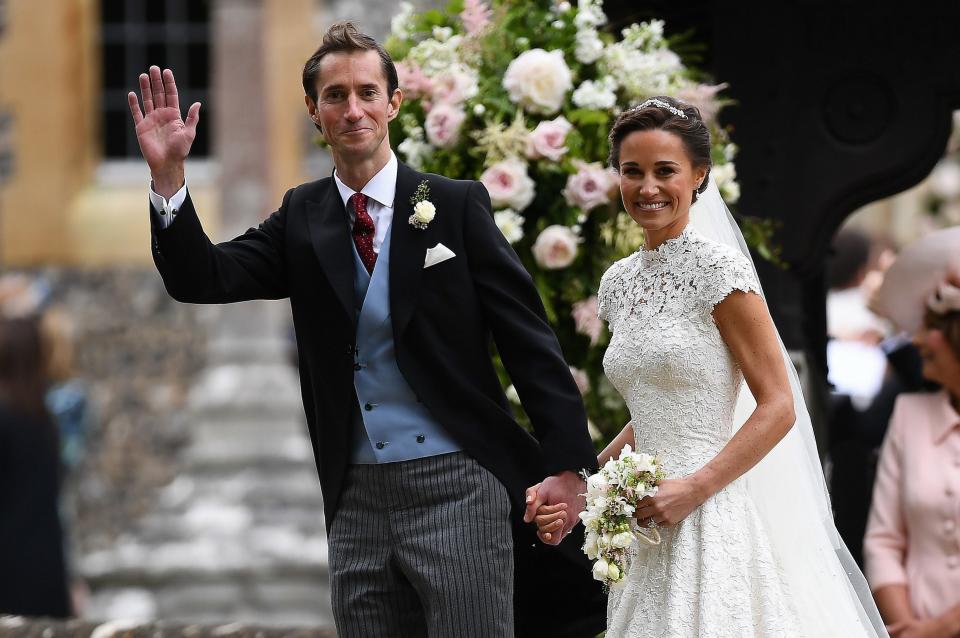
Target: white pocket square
pixel 437 254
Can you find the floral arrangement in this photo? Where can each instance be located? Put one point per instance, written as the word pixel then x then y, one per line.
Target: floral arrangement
pixel 521 95
pixel 612 497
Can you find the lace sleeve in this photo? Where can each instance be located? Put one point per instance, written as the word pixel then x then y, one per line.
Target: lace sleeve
pixel 724 271
pixel 605 300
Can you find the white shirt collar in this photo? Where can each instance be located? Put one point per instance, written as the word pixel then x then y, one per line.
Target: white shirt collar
pixel 381 188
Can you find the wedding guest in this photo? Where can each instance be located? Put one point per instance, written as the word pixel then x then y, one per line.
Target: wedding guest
pixel 33 578
pixel 912 543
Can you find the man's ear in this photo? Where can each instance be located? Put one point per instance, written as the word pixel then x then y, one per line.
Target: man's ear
pixel 393 106
pixel 312 112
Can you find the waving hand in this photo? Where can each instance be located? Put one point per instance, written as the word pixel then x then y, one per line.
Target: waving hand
pixel 165 139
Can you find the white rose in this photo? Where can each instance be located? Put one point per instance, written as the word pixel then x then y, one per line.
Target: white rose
pixel 424 211
pixel 597 484
pixel 510 224
pixel 590 545
pixel 443 124
pixel 622 540
pixel 613 572
pixel 590 186
pixel 538 80
pixel 509 185
pixel 589 518
pixel 600 569
pixel 555 247
pixel 548 139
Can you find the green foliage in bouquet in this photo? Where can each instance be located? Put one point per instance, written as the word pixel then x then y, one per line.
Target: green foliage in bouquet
pixel 521 95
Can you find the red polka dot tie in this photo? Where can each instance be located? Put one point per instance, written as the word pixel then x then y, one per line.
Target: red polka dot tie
pixel 363 230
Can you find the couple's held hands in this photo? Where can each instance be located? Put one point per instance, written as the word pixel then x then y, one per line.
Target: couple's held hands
pixel 165 139
pixel 554 505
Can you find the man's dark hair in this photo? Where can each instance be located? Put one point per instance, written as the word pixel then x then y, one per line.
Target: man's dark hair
pixel 344 37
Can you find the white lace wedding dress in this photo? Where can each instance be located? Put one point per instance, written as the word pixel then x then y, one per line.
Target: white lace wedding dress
pixel 714 574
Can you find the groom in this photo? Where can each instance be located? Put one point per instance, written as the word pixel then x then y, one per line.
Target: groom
pixel 397 282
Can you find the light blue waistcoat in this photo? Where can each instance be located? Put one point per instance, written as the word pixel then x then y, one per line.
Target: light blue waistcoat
pixel 390 423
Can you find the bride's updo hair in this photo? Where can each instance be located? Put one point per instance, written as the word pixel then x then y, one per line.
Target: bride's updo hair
pixel 667 114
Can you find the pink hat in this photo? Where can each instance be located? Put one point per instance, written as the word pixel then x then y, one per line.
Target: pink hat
pixel 918 280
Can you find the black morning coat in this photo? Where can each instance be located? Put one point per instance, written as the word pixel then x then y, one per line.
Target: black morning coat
pixel 443 320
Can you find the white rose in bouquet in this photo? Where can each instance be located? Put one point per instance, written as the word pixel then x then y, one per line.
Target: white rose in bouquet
pixel 590 186
pixel 443 124
pixel 509 185
pixel 555 247
pixel 538 80
pixel 622 540
pixel 597 484
pixel 601 569
pixel 548 139
pixel 590 547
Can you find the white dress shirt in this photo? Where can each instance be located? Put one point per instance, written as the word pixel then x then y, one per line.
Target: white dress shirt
pixel 381 190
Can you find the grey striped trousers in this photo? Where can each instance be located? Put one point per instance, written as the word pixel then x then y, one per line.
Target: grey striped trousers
pixel 422 548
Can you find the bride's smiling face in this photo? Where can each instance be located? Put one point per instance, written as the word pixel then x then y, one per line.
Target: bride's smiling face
pixel 657 180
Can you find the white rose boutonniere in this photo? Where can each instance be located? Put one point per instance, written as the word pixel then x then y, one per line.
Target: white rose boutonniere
pixel 423 209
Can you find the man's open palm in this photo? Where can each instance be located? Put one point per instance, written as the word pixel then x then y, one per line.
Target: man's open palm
pixel 165 139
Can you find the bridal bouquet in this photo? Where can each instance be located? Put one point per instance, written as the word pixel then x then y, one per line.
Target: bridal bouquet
pixel 612 497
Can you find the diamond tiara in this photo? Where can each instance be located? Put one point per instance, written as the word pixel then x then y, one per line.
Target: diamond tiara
pixel 660 104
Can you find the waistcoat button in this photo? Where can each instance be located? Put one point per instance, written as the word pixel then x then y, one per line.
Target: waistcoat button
pixel 421 438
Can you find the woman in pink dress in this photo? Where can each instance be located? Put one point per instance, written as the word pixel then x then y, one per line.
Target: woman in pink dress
pixel 912 544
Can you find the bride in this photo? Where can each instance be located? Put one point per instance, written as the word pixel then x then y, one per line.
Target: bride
pixel 748 543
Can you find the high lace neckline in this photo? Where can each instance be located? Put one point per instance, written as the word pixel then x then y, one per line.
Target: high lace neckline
pixel 668 247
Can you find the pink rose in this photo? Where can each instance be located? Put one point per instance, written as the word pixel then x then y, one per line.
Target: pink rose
pixel 413 82
pixel 509 185
pixel 454 85
pixel 590 186
pixel 548 139
pixel 586 320
pixel 443 124
pixel 555 247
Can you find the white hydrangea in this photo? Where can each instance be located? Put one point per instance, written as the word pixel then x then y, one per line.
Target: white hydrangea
pixel 590 14
pixel 401 24
pixel 442 34
pixel 596 95
pixel 415 151
pixel 725 176
pixel 641 73
pixel 589 46
pixel 510 223
pixel 645 36
pixel 435 57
